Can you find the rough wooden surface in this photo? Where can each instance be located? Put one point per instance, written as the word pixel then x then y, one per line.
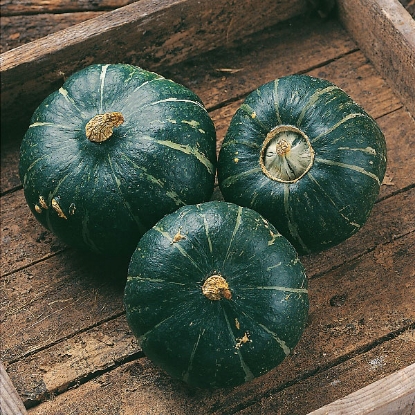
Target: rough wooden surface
pixel 148 33
pixel 10 401
pixel 67 346
pixel 386 34
pixel 392 395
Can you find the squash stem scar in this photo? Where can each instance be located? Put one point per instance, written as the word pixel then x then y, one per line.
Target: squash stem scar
pixel 286 154
pixel 101 127
pixel 216 288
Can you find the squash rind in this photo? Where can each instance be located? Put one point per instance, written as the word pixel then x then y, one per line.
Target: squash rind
pixel 216 342
pixel 333 200
pixel 161 157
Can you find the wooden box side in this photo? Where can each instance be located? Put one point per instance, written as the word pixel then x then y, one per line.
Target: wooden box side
pixel 385 32
pixel 149 33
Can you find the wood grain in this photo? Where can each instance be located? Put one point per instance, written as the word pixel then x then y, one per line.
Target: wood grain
pixel 385 32
pixel 391 395
pixel 10 402
pixel 334 334
pixel 21 29
pixel 25 7
pixel 148 33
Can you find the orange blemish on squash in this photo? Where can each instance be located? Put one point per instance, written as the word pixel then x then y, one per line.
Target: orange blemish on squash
pixel 178 237
pixel 241 341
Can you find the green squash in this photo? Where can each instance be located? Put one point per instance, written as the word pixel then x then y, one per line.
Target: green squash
pixel 215 295
pixel 111 152
pixel 305 156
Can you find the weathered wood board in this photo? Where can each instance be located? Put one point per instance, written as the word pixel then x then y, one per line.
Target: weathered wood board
pixel 65 341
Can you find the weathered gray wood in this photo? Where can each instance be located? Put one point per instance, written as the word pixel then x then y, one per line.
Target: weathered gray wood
pixel 385 32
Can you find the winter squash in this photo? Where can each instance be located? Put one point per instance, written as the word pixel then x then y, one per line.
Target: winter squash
pixel 111 152
pixel 302 153
pixel 215 295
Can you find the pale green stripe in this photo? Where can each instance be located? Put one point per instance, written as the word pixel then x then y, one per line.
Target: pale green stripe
pixel 207 232
pixel 177 245
pixel 349 166
pixel 312 178
pixel 277 110
pixel 313 99
pixel 281 342
pixel 142 338
pixel 292 226
pixel 277 288
pixel 192 357
pixel 189 101
pixel 156 280
pixel 248 373
pixel 65 94
pixel 170 193
pixel 184 149
pixel 233 179
pixel 342 121
pixel 117 181
pixel 235 230
pixel 367 150
pixel 102 78
pixel 249 111
pixel 274 266
pixel 51 124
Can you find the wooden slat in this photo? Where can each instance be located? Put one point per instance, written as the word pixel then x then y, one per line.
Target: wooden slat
pixel 329 384
pixel 58 372
pixel 148 33
pixel 335 333
pixel 385 32
pixel 19 30
pixel 21 7
pixel 392 395
pixel 10 402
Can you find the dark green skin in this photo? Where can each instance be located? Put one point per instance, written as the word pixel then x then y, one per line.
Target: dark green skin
pixel 196 339
pixel 334 199
pixel 162 157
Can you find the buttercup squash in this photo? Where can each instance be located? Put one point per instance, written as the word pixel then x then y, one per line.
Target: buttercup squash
pixel 111 152
pixel 302 153
pixel 215 295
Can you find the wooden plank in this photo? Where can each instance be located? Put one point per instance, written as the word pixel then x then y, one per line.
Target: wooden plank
pixel 336 329
pixel 334 335
pixel 10 402
pixel 339 380
pixel 149 33
pixel 18 30
pixel 278 52
pixel 74 360
pixel 56 298
pixel 13 8
pixel 385 32
pixel 394 394
pixel 26 242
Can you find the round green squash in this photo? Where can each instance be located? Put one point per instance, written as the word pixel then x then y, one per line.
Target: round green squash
pixel 302 153
pixel 111 152
pixel 215 295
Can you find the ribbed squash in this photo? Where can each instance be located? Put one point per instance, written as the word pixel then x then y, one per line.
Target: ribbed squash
pixel 302 153
pixel 111 152
pixel 215 295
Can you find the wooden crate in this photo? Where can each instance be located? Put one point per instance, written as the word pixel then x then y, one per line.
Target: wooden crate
pixel 65 342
